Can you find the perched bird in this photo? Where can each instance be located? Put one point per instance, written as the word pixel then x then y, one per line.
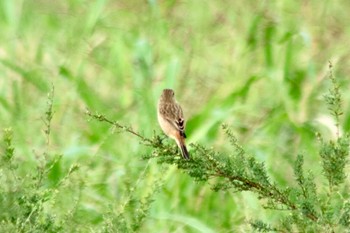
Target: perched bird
pixel 171 120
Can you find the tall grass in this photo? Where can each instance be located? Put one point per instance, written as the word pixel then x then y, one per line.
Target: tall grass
pixel 257 66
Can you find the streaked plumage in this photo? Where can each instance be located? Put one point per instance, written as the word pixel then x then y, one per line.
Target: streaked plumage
pixel 171 119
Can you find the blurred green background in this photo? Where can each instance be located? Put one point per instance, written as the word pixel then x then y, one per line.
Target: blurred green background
pixel 259 66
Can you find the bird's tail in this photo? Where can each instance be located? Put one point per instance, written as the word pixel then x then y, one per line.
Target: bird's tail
pixel 184 151
pixel 180 141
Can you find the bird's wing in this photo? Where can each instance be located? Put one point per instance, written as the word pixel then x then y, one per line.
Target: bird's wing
pixel 174 115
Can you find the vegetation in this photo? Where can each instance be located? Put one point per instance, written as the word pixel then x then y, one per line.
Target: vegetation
pixel 251 77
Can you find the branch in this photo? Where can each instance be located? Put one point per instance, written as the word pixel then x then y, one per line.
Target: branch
pixel 243 174
pixel 102 118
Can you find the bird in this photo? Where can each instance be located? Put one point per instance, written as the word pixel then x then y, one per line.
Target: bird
pixel 171 120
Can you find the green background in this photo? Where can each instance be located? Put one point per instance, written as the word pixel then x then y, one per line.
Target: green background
pixel 259 66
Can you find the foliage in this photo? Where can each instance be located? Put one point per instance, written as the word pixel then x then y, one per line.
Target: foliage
pixel 33 201
pixel 25 197
pixel 257 66
pixel 309 209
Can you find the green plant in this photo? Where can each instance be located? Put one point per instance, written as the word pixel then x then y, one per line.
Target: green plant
pixel 304 206
pixel 258 66
pixel 36 196
pixel 26 194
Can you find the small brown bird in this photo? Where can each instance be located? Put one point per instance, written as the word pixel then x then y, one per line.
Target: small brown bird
pixel 171 120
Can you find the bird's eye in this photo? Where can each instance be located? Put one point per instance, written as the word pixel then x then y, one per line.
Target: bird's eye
pixel 173 93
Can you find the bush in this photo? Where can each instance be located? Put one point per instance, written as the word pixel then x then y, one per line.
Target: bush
pixel 303 206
